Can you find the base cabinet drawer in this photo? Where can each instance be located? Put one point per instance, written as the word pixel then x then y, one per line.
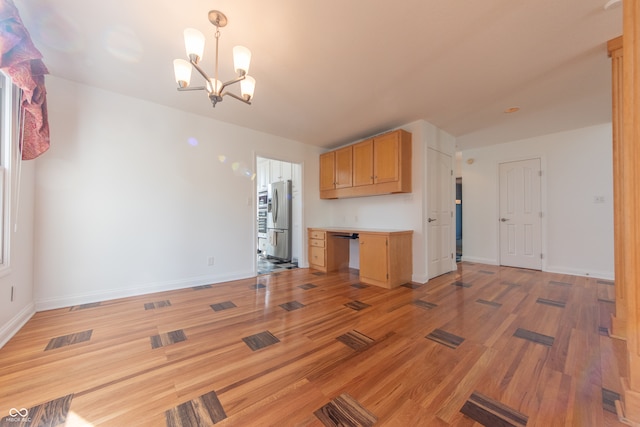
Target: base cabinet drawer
pixel 316 256
pixel 316 242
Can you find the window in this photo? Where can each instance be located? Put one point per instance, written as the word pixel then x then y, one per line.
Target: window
pixel 9 137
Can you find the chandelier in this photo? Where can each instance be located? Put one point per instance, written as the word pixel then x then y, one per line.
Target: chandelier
pixel 216 90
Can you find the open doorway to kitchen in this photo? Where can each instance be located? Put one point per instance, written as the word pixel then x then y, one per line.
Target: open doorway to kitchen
pixel 279 215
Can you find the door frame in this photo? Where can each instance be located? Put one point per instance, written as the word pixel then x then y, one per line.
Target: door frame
pixel 543 204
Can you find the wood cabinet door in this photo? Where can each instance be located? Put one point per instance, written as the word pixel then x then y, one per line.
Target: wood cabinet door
pixel 344 167
pixel 327 171
pixel 386 158
pixel 363 163
pixel 373 257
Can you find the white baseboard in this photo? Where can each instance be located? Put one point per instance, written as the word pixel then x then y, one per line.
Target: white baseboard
pixel 607 275
pixel 148 288
pixel 419 278
pixel 479 260
pixel 13 326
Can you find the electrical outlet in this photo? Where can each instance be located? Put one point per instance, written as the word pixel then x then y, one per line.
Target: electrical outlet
pixel 210 261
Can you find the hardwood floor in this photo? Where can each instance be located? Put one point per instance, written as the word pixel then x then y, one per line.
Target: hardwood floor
pixel 485 345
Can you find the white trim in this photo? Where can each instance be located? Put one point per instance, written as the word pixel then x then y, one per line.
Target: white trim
pixel 420 279
pixel 142 289
pixel 608 275
pixel 478 260
pixel 8 330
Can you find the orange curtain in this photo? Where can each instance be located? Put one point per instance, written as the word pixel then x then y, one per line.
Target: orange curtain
pixel 21 61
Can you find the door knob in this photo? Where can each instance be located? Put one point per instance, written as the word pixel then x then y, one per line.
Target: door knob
pixel 431 219
pixel 504 219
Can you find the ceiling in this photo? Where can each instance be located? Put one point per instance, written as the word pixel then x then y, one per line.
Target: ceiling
pixel 331 72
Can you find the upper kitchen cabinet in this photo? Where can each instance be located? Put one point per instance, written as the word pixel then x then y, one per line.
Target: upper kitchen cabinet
pixel 280 171
pixel 379 165
pixel 336 169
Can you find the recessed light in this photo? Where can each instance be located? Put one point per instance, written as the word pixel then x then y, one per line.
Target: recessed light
pixel 512 110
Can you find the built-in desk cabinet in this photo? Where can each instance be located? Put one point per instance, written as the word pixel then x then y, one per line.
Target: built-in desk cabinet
pixel 379 165
pixel 386 257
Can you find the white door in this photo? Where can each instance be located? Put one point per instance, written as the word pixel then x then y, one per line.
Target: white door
pixel 440 208
pixel 520 214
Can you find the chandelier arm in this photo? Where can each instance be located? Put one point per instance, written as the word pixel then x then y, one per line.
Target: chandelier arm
pixel 230 82
pixel 233 95
pixel 184 89
pixel 201 71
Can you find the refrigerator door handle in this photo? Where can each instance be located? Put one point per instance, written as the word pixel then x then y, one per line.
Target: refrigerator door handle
pixel 275 207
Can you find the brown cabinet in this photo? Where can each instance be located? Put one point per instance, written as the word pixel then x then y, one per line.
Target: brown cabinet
pixel 386 258
pixel 327 253
pixel 336 169
pixel 327 171
pixel 379 165
pixel 363 163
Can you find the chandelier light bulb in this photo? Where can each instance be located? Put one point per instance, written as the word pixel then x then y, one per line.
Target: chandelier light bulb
pixel 247 87
pixel 194 43
pixel 182 70
pixel 241 60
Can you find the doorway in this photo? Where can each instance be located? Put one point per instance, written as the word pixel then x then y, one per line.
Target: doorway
pixel 520 214
pixel 269 172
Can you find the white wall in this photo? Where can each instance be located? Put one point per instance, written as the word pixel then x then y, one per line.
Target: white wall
pixel 19 275
pixel 396 211
pixel 577 233
pixel 134 197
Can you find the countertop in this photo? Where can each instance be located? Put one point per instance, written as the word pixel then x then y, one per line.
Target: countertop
pixel 360 230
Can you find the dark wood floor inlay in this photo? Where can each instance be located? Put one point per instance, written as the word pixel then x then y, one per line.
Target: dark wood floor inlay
pixel 554 282
pixel 205 410
pixel 158 304
pixel 445 338
pixel 491 303
pixel 603 330
pixel 291 305
pixel 606 282
pixel 258 286
pixel 359 286
pixel 489 412
pixel 261 340
pixel 51 413
pixel 307 286
pixel 168 338
pixel 346 411
pixel 608 301
pixel 609 400
pixel 461 284
pixel 424 304
pixel 223 306
pixel 356 340
pixel 357 305
pixel 551 302
pixel 534 336
pixel 507 283
pixel 318 273
pixel 486 272
pixel 70 339
pixel 201 287
pixel 83 306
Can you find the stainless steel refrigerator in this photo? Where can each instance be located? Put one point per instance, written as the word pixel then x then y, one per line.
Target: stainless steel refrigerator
pixel 279 220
